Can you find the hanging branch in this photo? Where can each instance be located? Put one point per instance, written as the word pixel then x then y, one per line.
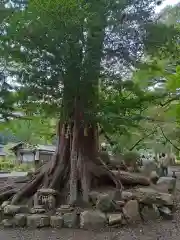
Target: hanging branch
pixel 141 139
pixel 167 139
pixel 169 101
pixel 109 140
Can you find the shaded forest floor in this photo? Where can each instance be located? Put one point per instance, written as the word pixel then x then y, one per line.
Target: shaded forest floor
pixel 166 230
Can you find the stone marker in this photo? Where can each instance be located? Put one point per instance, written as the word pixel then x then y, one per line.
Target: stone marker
pixel 56 221
pixel 20 220
pixel 70 220
pixel 38 221
pixel 92 219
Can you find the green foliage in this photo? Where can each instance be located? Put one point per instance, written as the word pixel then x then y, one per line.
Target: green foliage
pixel 33 131
pixel 24 167
pixel 55 55
pixel 61 51
pixel 131 158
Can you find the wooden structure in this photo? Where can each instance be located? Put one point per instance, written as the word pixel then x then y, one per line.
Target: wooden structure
pixel 32 154
pixel 2 153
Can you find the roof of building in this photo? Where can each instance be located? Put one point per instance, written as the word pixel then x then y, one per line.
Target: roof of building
pixel 49 148
pixel 2 154
pixel 16 145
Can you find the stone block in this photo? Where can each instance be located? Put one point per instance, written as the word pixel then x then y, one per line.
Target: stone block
pixel 14 209
pixel 56 221
pixel 131 211
pixel 38 221
pixel 70 220
pixel 114 219
pixel 20 220
pixel 92 219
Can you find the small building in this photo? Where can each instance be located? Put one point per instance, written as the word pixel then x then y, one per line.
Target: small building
pixel 38 154
pixel 2 153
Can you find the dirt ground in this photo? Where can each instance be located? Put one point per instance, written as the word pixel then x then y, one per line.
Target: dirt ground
pixel 164 230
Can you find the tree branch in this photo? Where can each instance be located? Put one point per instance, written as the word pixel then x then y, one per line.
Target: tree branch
pixel 169 139
pixel 109 140
pixel 141 139
pixel 169 101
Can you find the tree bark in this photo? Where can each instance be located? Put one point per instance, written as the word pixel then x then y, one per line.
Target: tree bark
pixel 73 172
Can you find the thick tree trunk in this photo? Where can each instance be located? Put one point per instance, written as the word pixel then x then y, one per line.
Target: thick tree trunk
pixel 73 166
pixel 73 172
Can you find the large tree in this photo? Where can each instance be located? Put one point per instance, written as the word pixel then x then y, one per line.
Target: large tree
pixel 59 52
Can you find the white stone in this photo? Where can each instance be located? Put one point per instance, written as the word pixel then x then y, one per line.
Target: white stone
pixel 114 218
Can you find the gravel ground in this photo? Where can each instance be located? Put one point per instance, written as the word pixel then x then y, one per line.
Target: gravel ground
pixel 164 230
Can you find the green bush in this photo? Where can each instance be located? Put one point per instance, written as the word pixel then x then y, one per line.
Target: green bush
pixel 24 167
pixel 131 158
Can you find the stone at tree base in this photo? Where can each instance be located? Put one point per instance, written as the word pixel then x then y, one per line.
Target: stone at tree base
pixel 14 209
pixel 104 203
pixel 126 196
pixel 38 221
pixel 51 203
pixel 131 211
pixel 166 213
pixel 118 205
pixel 150 196
pixel 154 177
pixel 56 221
pixel 150 213
pixel 20 220
pixel 114 219
pixel 93 195
pixel 37 209
pixel 7 223
pixel 168 184
pixel 64 209
pixel 92 219
pixel 5 203
pixel 70 220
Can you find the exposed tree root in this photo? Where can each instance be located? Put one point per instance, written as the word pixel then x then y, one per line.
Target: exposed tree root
pixel 29 189
pixel 72 168
pixel 6 188
pixel 6 195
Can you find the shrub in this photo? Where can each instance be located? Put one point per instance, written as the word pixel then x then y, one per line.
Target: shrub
pixel 131 158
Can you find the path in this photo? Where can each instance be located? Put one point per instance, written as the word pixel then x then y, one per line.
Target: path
pixel 166 230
